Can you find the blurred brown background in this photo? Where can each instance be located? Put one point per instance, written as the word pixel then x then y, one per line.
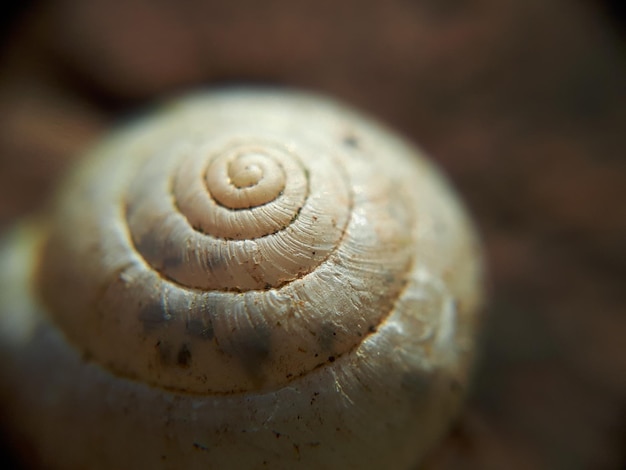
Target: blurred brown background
pixel 523 102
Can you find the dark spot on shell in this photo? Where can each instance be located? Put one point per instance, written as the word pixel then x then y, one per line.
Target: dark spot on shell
pixel 251 346
pixel 351 140
pixel 160 256
pixel 171 262
pixel 153 315
pixel 327 335
pixel 164 351
pixel 331 358
pixel 184 356
pixel 277 434
pixel 200 327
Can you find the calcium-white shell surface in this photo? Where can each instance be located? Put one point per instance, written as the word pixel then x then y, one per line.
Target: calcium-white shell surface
pixel 247 279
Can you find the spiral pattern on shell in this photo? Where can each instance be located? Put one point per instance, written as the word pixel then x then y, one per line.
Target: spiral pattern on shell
pixel 246 279
pixel 245 248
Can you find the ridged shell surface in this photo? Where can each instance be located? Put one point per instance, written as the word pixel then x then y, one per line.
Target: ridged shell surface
pixel 270 278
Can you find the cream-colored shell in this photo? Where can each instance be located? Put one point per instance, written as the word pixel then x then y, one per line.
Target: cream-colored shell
pixel 248 279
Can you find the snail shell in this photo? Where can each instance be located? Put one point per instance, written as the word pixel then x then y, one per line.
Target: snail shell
pixel 246 279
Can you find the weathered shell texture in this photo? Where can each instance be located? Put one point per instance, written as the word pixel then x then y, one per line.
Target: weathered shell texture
pixel 248 279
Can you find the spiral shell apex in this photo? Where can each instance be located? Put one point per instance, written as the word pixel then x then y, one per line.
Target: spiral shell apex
pixel 259 248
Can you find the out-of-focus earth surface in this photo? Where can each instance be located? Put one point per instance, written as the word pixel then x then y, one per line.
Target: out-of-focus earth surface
pixel 522 102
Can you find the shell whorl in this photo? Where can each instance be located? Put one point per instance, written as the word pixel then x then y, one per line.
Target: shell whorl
pixel 240 215
pixel 238 242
